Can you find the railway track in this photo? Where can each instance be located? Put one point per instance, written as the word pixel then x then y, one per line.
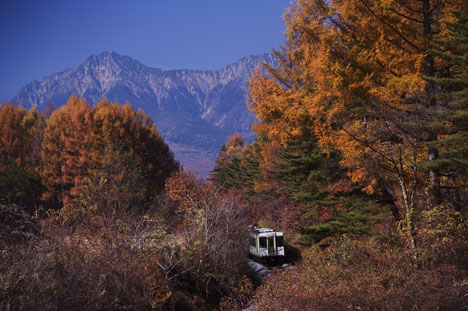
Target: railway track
pixel 263 270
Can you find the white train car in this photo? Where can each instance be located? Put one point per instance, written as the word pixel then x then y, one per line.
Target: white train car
pixel 266 244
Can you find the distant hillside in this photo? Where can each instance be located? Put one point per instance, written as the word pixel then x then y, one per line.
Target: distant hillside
pixel 195 111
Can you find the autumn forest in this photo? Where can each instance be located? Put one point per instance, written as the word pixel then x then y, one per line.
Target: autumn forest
pixel 360 158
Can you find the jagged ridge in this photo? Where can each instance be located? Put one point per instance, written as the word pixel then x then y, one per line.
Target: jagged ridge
pixel 194 110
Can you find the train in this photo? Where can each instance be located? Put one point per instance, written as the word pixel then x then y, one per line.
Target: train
pixel 266 245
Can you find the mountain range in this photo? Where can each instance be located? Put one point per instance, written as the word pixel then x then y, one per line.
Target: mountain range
pixel 195 111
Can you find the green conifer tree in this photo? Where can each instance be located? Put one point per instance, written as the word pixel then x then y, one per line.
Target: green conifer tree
pixel 333 204
pixel 451 120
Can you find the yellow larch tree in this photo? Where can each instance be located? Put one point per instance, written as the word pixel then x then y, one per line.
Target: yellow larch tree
pixel 65 149
pixel 354 72
pixel 12 136
pixel 124 130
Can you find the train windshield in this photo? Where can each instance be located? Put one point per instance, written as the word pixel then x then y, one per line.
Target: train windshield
pixel 279 241
pixel 271 245
pixel 263 242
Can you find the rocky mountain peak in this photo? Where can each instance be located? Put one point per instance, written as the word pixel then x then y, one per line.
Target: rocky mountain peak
pixel 111 59
pixel 195 111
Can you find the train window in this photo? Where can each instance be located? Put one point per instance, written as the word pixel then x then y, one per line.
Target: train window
pixel 279 241
pixel 252 241
pixel 263 242
pixel 271 244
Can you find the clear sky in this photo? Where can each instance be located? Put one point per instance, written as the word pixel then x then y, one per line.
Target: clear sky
pixel 40 37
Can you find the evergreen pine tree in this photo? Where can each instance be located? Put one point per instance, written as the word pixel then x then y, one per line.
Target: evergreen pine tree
pixel 451 120
pixel 333 204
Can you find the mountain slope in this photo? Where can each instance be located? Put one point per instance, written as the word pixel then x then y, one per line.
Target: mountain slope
pixel 195 111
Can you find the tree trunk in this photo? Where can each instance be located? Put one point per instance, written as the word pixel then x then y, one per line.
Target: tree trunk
pixel 387 198
pixel 433 153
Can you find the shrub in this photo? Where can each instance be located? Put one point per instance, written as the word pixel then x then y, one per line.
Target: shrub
pixel 364 275
pixel 87 267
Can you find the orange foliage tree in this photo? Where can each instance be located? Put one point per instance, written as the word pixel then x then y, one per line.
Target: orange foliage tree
pixel 13 136
pixel 234 147
pixel 65 149
pixel 20 139
pixel 123 129
pixel 354 73
pixel 79 140
pixel 33 124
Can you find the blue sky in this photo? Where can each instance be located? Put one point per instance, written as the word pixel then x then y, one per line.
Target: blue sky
pixel 40 37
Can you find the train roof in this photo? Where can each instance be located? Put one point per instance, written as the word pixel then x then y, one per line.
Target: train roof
pixel 256 229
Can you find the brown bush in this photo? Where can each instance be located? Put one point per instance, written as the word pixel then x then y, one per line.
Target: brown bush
pixel 16 226
pixel 443 237
pixel 87 267
pixel 108 254
pixel 364 275
pixel 209 260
